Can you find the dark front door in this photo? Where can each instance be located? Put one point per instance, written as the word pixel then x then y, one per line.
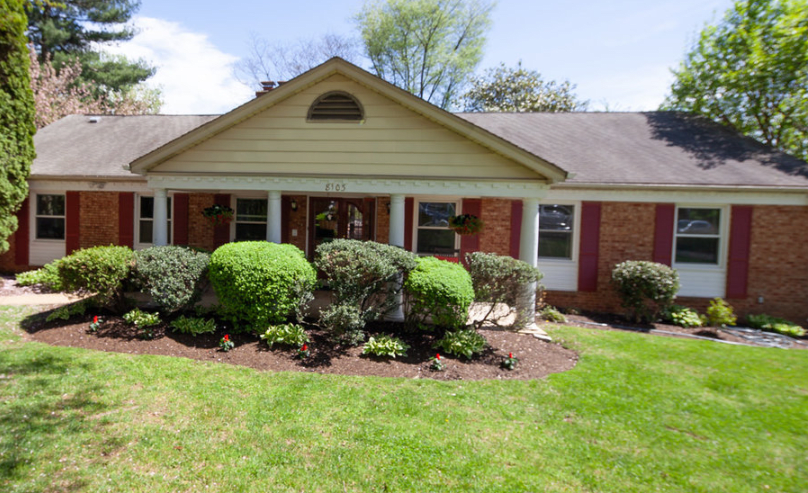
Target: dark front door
pixel 333 218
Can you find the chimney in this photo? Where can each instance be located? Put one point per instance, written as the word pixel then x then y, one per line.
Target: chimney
pixel 268 85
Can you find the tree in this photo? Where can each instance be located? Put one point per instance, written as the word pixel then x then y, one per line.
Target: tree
pixel 62 30
pixel 750 72
pixel 16 117
pixel 279 61
pixel 519 90
pixel 426 47
pixel 61 93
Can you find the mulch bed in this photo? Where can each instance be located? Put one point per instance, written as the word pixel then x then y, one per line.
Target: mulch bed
pixel 537 358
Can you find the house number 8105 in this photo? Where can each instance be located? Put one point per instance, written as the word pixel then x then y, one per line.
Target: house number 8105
pixel 335 187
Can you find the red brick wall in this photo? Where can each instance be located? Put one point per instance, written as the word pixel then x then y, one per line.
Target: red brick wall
pixel 98 216
pixel 7 261
pixel 382 220
pixel 496 234
pixel 297 220
pixel 200 230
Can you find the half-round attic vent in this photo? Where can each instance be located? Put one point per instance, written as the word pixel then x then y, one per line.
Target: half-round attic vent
pixel 336 106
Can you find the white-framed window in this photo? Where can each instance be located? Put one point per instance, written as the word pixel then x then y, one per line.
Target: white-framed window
pixel 432 233
pixel 145 220
pixel 251 219
pixel 698 236
pixel 50 217
pixel 556 231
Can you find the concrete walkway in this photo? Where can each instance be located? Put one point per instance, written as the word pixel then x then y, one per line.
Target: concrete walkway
pixel 39 299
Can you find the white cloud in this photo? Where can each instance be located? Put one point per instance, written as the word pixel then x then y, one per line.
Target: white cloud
pixel 641 89
pixel 195 77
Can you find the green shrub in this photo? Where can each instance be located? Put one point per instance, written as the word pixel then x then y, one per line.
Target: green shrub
pixel 720 313
pixel 365 278
pixel 775 324
pixel 260 283
pixel 551 314
pixel 465 342
pixel 646 288
pixel 143 321
pixel 47 277
pixel 174 276
pixel 288 334
pixel 64 312
pixel 385 346
pixel 441 290
pixel 344 322
pixel 500 279
pixel 193 325
pixel 682 316
pixel 102 270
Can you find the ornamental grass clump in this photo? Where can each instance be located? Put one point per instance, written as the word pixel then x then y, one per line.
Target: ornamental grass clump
pixel 174 276
pixel 260 283
pixel 645 288
pixel 440 292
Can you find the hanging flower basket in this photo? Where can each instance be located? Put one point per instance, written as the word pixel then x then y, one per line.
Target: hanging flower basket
pixel 466 224
pixel 218 215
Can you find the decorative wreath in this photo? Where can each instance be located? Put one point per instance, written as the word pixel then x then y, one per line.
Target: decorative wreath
pixel 466 224
pixel 218 215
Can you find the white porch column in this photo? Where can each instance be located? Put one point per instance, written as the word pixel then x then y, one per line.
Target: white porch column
pixel 160 223
pixel 397 239
pixel 529 252
pixel 274 217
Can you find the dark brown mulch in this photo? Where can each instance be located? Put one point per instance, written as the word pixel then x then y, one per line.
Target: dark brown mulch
pixel 537 358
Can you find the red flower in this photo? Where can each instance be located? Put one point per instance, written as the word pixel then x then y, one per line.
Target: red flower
pixel 226 338
pixel 305 348
pixel 510 355
pixel 95 319
pixel 437 356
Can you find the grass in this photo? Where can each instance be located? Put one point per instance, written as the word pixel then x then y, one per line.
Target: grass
pixel 639 413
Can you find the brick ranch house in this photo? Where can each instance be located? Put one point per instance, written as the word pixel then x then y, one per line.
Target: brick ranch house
pixel 338 152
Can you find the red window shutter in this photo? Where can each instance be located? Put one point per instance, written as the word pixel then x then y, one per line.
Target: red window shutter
pixel 22 237
pixel 126 219
pixel 589 247
pixel 663 233
pixel 409 205
pixel 221 234
pixel 740 239
pixel 470 243
pixel 286 209
pixel 179 217
pixel 516 227
pixel 72 222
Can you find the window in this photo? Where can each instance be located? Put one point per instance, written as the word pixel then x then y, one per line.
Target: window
pixel 434 235
pixel 251 219
pixel 556 231
pixel 146 220
pixel 50 217
pixel 336 106
pixel 698 235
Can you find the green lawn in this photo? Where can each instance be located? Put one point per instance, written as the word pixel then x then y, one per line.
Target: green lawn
pixel 639 413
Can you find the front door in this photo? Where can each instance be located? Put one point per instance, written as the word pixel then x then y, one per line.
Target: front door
pixel 333 218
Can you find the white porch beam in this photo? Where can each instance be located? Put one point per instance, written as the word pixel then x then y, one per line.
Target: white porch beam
pixel 529 252
pixel 160 223
pixel 396 238
pixel 274 217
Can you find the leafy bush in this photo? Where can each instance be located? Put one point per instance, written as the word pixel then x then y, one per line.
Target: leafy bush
pixel 363 275
pixel 646 288
pixel 47 276
pixel 102 270
pixel 441 290
pixel 193 325
pixel 260 283
pixel 499 279
pixel 64 312
pixel 143 320
pixel 465 342
pixel 344 322
pixel 682 316
pixel 289 334
pixel 720 313
pixel 775 324
pixel 173 276
pixel 386 346
pixel 551 314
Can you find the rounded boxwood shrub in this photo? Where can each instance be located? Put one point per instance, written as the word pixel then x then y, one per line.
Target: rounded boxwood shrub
pixel 173 276
pixel 260 283
pixel 440 290
pixel 645 288
pixel 102 270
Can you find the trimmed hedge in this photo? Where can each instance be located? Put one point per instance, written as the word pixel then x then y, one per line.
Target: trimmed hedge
pixel 646 288
pixel 500 279
pixel 260 283
pixel 440 290
pixel 102 270
pixel 174 276
pixel 47 277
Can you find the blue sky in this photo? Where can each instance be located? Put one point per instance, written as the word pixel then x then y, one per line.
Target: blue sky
pixel 619 53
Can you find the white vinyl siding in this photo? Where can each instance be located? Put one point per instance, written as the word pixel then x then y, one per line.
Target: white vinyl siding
pixel 701 278
pixel 560 271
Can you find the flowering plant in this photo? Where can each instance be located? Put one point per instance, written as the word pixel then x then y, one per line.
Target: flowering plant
pixel 218 215
pixel 96 324
pixel 510 362
pixel 303 352
pixel 466 224
pixel 437 363
pixel 226 344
